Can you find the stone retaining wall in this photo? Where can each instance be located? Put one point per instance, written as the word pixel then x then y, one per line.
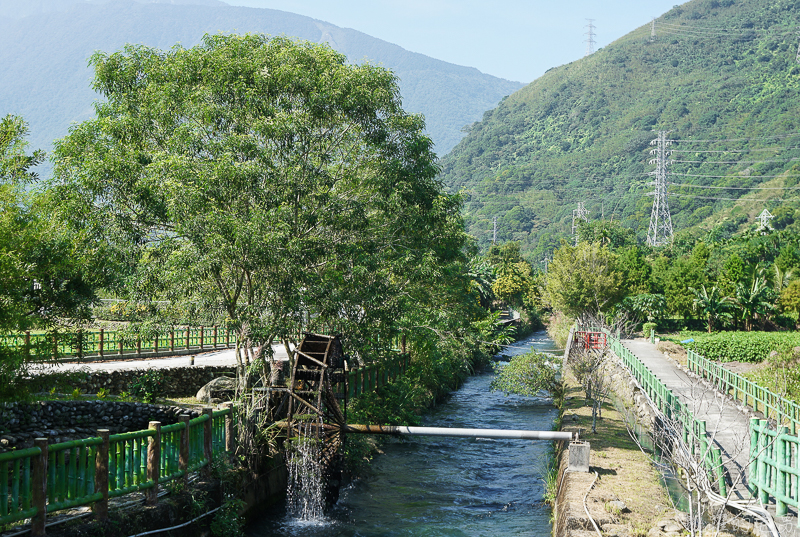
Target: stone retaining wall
pixel 60 421
pixel 180 381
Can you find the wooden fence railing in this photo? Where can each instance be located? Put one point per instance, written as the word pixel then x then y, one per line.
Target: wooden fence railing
pixel 37 481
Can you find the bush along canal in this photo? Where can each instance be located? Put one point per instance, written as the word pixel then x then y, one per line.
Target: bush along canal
pixel 442 485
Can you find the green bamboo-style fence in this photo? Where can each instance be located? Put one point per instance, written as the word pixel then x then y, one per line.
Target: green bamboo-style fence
pixel 760 399
pixel 695 434
pixel 373 376
pixel 774 468
pixel 110 343
pixel 46 478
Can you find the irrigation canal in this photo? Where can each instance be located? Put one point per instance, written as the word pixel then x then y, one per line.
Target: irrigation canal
pixel 441 486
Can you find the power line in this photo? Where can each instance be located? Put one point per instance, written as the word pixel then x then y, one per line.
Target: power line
pixel 729 199
pixel 729 176
pixel 733 161
pixel 735 187
pixel 698 140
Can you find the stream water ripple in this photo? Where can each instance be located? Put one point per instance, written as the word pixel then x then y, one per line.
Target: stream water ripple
pixel 437 487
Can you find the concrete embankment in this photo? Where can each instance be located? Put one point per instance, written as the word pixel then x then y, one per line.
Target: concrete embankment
pixel 622 494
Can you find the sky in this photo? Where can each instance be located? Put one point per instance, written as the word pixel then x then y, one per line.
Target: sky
pixel 513 39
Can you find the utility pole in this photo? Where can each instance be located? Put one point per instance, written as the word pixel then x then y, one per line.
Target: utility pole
pixel 494 230
pixel 660 230
pixel 653 30
pixel 590 37
pixel 581 213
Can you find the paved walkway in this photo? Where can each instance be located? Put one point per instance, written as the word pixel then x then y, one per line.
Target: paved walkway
pixel 725 422
pixel 210 358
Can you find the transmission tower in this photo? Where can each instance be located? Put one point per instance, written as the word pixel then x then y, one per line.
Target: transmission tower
pixel 494 230
pixel 590 42
pixel 763 220
pixel 797 58
pixel 660 231
pixel 581 213
pixel 653 30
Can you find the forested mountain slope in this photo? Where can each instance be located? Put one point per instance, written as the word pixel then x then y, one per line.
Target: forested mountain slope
pixel 720 75
pixel 43 58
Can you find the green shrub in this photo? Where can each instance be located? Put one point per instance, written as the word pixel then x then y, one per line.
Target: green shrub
pixel 739 346
pixel 148 386
pixel 647 327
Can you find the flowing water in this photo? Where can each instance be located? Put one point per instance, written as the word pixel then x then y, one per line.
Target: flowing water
pixel 429 486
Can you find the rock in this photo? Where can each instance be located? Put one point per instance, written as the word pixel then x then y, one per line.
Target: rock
pixel 616 530
pixel 618 505
pixel 654 532
pixel 219 383
pixel 672 527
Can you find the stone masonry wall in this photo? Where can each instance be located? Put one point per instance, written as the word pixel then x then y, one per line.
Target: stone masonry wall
pixel 60 421
pixel 180 381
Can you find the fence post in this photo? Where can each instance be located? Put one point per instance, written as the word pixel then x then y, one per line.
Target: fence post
pixel 119 341
pixel 763 441
pixel 229 431
pixel 39 485
pixel 153 463
pixel 780 486
pixel 201 336
pixel 183 458
pixel 187 336
pixel 207 439
pixel 215 336
pixel 100 507
pixel 102 339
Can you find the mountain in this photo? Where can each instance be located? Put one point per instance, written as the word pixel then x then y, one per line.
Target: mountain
pixel 45 45
pixel 722 76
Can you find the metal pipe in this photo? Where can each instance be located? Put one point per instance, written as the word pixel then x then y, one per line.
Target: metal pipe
pixel 468 433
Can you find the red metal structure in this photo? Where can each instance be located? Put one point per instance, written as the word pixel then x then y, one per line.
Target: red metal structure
pixel 590 340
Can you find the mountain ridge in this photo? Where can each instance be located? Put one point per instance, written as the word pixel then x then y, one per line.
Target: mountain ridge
pixel 582 131
pixel 44 57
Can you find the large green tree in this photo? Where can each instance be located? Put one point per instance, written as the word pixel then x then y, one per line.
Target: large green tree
pixel 582 279
pixel 47 276
pixel 266 179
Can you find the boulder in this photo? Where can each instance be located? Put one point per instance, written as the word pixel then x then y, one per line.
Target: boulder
pixel 216 385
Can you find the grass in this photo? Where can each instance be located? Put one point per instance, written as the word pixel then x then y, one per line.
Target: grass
pixel 625 472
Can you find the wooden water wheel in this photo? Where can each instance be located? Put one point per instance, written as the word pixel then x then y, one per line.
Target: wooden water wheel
pixel 310 399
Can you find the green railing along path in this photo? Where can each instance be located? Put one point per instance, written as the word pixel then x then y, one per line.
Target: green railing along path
pixel 679 398
pixel 774 456
pixel 98 344
pixel 41 480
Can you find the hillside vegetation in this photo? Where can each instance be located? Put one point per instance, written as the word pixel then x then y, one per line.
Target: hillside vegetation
pixel 46 80
pixel 721 76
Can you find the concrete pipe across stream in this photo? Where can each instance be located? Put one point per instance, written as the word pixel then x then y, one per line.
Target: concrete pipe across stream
pixel 467 433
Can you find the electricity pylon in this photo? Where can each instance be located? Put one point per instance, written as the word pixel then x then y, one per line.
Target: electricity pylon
pixel 660 230
pixel 590 37
pixel 581 213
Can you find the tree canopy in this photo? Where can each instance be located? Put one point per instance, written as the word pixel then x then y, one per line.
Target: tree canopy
pixel 263 178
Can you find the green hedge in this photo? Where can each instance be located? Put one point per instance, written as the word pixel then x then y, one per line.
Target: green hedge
pixel 739 346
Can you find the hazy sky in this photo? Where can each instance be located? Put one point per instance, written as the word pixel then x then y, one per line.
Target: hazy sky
pixel 513 39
